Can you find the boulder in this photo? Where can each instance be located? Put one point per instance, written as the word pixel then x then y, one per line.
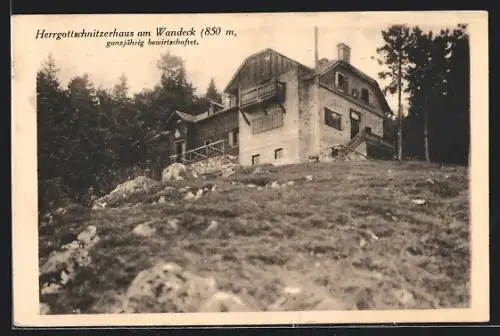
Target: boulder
pixel 144 230
pixel 88 237
pixel 217 166
pixel 167 288
pixel 177 172
pixel 128 192
pixel 60 267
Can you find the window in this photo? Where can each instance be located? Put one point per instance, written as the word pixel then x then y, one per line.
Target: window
pixel 365 95
pixel 333 119
pixel 355 123
pixel 257 125
pixel 267 122
pixel 278 153
pixel 233 138
pixel 233 101
pixel 341 82
pixel 255 159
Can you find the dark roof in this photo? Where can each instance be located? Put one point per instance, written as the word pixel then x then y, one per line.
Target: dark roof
pixel 337 62
pixel 323 67
pixel 201 116
pixel 260 52
pixel 185 116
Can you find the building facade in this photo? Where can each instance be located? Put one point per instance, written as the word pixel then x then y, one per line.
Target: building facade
pixel 280 111
pixel 193 137
pixel 288 112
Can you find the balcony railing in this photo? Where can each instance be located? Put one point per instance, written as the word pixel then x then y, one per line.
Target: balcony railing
pixel 261 93
pixel 204 152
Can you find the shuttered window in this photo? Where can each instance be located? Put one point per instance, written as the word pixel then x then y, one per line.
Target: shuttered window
pixel 333 119
pixel 266 122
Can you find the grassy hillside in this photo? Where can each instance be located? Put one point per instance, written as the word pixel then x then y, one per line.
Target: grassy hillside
pixel 349 232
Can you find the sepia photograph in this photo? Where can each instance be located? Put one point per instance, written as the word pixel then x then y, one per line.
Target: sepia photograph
pixel 271 164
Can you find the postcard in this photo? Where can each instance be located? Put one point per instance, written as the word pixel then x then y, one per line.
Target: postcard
pixel 243 169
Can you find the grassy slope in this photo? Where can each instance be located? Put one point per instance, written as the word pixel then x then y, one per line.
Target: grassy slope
pixel 315 234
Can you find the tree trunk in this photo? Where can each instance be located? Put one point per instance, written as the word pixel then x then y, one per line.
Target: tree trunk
pixel 400 113
pixel 426 134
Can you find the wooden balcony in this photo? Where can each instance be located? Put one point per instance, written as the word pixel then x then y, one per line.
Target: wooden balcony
pixel 266 92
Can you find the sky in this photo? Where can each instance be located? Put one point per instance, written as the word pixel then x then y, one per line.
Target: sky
pixel 215 57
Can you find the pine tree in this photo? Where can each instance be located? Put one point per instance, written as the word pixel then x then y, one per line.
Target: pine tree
pixel 212 92
pixel 52 132
pixel 394 54
pixel 120 90
pixel 439 93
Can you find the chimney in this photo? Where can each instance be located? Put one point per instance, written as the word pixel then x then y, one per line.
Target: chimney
pixel 344 52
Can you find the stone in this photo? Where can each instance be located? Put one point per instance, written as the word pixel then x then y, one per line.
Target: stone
pixel 309 177
pixel 275 185
pixel 89 236
pixel 189 196
pixel 124 191
pixel 177 172
pixel 44 309
pixel 167 288
pixel 173 224
pixel 330 304
pixel 292 290
pixel 50 289
pixel 161 200
pixel 57 262
pixel 212 226
pixel 224 302
pixel 404 297
pixel 199 193
pixel 144 230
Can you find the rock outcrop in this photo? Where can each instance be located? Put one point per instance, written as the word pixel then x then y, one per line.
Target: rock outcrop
pixel 177 172
pixel 61 266
pixel 168 288
pixel 128 192
pixel 217 166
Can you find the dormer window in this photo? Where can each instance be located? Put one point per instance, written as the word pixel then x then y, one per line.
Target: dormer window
pixel 341 82
pixel 365 95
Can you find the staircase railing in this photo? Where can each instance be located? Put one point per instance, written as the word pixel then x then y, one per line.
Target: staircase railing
pixel 341 152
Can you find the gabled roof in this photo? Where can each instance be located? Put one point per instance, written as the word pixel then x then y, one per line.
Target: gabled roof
pixel 199 117
pixel 185 116
pixel 261 52
pixel 327 67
